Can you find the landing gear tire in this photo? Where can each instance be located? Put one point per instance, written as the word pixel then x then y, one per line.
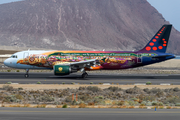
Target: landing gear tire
pixel 26 75
pixel 84 75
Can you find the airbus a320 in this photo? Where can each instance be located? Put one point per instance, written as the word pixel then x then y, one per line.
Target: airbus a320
pixel 67 62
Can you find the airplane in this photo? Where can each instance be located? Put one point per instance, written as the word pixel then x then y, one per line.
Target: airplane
pixel 67 62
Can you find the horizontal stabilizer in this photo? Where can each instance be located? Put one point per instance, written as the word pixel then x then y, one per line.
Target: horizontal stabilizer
pixel 161 56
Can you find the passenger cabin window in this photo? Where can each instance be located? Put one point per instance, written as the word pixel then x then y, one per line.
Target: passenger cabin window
pixel 14 56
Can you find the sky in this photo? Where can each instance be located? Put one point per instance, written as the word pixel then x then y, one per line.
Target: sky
pixel 168 8
pixel 7 1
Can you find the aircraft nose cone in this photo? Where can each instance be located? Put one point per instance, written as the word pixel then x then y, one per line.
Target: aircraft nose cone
pixel 6 62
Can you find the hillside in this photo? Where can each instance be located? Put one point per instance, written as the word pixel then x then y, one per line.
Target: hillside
pixel 82 24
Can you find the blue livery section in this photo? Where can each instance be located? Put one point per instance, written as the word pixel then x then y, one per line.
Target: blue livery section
pixel 160 41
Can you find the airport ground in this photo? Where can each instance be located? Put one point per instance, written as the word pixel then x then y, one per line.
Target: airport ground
pixel 94 78
pixel 87 114
pixel 166 72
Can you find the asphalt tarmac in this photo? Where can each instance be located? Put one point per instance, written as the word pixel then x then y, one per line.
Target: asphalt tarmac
pixel 87 114
pixel 49 78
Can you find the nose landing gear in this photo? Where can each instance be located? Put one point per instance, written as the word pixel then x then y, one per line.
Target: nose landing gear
pixel 27 73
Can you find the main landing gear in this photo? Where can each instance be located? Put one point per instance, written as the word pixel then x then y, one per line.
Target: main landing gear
pixel 27 73
pixel 84 75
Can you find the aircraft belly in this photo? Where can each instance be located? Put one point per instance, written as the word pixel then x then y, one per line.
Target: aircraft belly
pixel 123 64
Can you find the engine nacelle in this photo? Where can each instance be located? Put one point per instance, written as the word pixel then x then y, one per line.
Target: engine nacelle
pixel 62 70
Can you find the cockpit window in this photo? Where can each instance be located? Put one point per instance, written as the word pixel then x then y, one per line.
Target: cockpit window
pixel 14 56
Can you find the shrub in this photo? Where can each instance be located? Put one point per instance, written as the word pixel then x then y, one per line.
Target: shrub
pixel 148 103
pixel 155 90
pixel 142 105
pixel 82 105
pixel 97 100
pixel 176 89
pixel 160 94
pixel 83 97
pixel 177 104
pixel 17 71
pixel 93 88
pixel 38 82
pixel 148 98
pixel 168 107
pixel 134 99
pixel 8 70
pixel 148 83
pixel 68 99
pixel 91 82
pixel 20 88
pixel 74 102
pixel 173 100
pixel 7 88
pixel 82 88
pixel 46 98
pixel 154 103
pixel 63 83
pixel 120 103
pixel 91 103
pixel 143 102
pixel 18 96
pixel 73 83
pixel 146 90
pixel 113 89
pixel 134 90
pixel 160 104
pixel 131 103
pixel 8 82
pixel 10 98
pixel 64 106
pixel 166 90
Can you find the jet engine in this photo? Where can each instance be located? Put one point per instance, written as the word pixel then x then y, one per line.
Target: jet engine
pixel 62 70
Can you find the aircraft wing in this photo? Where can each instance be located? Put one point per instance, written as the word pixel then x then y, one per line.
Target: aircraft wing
pixel 81 64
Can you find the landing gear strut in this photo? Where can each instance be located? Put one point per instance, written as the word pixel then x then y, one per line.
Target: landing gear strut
pixel 27 73
pixel 84 75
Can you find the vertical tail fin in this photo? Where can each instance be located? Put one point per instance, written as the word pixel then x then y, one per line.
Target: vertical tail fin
pixel 160 41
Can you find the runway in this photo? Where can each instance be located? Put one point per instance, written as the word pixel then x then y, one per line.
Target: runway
pixel 49 78
pixel 87 114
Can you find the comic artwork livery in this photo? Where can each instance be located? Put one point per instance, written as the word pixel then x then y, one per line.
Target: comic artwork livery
pixel 67 62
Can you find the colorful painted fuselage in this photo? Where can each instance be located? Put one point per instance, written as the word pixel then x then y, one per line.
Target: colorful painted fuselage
pixel 108 59
pixel 153 52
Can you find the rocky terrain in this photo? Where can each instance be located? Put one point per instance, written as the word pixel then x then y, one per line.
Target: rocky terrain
pixel 92 95
pixel 81 24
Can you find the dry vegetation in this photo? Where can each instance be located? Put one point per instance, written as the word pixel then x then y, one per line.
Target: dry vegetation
pixel 91 97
